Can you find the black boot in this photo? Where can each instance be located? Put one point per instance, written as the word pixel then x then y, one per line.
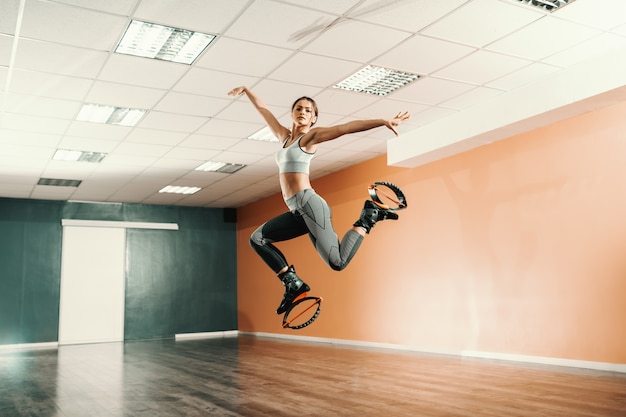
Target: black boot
pixel 373 213
pixel 294 288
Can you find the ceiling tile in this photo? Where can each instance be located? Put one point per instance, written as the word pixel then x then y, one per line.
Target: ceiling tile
pixel 481 67
pixel 192 104
pixel 198 15
pixel 238 157
pixel 174 163
pixel 8 17
pixel 211 83
pixel 525 75
pixel 423 55
pixel 255 146
pixel 6 45
pixel 123 7
pixel 241 110
pixel 432 91
pixel 12 190
pixel 229 129
pixel 598 45
pixel 281 95
pixel 15 150
pixel 198 154
pixel 411 15
pixel 328 6
pixel 602 14
pixel 474 24
pixel 472 97
pixel 58 59
pixel 356 41
pixel 337 101
pixel 30 138
pixel 169 121
pixel 49 85
pixel 87 144
pixel 282 25
pixel 209 142
pixel 543 38
pixel 68 170
pixel 141 149
pixel 620 30
pixel 124 166
pixel 251 59
pixel 157 137
pixel 98 131
pixel 97 30
pixel 27 123
pixel 124 95
pixel 388 108
pixel 44 192
pixel 42 106
pixel 304 69
pixel 144 72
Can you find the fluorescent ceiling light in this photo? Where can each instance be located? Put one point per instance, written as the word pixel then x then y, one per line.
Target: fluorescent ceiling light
pixel 223 167
pixel 166 43
pixel 264 134
pixel 98 113
pixel 377 81
pixel 548 5
pixel 179 190
pixel 78 156
pixel 58 182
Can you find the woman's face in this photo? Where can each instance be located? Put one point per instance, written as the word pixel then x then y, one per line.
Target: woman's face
pixel 303 113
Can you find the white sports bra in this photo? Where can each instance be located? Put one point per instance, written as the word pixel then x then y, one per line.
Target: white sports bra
pixel 293 158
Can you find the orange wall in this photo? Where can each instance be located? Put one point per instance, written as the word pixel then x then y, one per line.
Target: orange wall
pixel 517 247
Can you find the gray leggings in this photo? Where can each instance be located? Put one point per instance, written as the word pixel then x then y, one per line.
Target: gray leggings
pixel 309 213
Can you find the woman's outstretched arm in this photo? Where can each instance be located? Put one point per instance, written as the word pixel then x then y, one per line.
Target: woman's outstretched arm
pixel 323 134
pixel 277 129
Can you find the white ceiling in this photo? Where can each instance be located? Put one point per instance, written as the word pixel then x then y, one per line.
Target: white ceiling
pixel 466 51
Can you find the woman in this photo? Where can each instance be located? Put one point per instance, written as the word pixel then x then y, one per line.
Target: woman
pixel 308 212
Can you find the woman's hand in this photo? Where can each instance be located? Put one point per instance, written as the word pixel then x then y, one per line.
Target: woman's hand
pixel 397 120
pixel 238 91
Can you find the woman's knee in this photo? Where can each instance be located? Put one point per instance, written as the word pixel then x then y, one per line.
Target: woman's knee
pixel 256 238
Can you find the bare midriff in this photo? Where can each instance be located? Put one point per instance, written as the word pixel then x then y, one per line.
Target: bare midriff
pixel 292 183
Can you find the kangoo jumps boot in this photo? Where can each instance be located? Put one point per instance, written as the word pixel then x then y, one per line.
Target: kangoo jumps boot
pixel 373 213
pixel 295 288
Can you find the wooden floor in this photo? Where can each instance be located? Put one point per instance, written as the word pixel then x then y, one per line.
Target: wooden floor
pixel 248 376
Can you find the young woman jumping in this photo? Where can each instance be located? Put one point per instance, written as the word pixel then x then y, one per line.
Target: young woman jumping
pixel 308 212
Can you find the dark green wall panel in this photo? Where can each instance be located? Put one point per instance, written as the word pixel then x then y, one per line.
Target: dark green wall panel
pixel 30 265
pixel 177 281
pixel 11 281
pixel 206 271
pixel 152 265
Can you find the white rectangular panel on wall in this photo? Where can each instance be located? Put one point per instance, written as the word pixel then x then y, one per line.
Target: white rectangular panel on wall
pixel 92 285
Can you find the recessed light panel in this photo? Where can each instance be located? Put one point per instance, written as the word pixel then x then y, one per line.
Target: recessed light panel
pixel 149 40
pixel 173 189
pixel 223 167
pixel 58 182
pixel 377 81
pixel 547 5
pixel 98 113
pixel 264 135
pixel 78 156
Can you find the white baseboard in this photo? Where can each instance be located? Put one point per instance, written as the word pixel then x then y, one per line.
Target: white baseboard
pixel 28 346
pixel 206 335
pixel 571 363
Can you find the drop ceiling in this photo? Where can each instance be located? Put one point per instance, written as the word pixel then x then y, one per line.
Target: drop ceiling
pixel 56 55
